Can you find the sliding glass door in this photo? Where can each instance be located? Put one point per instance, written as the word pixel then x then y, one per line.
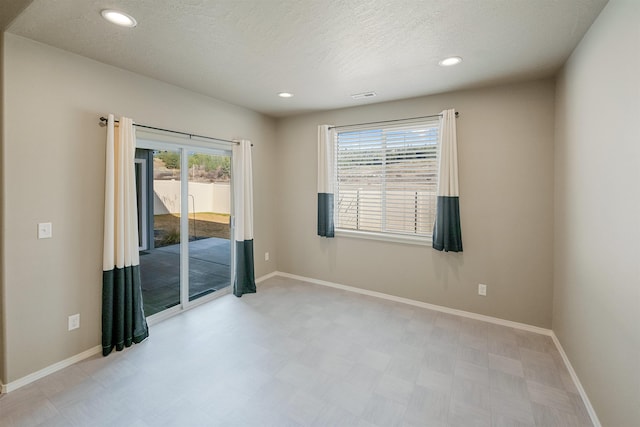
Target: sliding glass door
pixel 159 212
pixel 209 179
pixel 184 201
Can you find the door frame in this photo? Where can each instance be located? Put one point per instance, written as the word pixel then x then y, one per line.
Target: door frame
pixel 160 141
pixel 143 227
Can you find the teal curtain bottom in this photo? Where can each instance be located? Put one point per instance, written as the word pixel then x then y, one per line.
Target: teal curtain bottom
pixel 123 320
pixel 447 235
pixel 245 281
pixel 326 226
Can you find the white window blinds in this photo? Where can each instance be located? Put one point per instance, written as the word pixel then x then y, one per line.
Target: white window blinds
pixel 386 178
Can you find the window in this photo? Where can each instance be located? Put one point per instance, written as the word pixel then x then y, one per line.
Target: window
pixel 387 179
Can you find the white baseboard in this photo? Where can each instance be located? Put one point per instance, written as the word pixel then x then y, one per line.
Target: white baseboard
pixel 21 382
pixel 482 317
pixel 576 381
pixel 267 276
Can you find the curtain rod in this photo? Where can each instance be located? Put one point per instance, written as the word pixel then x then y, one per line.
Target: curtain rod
pixel 388 121
pixel 103 121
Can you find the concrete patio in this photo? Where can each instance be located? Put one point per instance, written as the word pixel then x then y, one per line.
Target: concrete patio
pixel 209 271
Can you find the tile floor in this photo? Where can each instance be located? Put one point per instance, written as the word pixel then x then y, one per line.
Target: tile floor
pixel 297 354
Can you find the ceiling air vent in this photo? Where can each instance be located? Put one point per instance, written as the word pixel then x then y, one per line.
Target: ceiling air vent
pixel 363 95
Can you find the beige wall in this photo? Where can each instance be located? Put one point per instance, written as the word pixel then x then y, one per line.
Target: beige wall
pixel 596 311
pixel 505 137
pixel 9 9
pixel 2 321
pixel 53 171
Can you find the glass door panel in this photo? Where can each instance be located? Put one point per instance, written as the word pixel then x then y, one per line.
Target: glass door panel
pixel 209 203
pixel 160 261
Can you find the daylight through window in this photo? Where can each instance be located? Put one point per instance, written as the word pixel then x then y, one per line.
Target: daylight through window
pixel 387 178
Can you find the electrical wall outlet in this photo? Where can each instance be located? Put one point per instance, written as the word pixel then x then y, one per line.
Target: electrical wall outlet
pixel 74 321
pixel 482 289
pixel 266 256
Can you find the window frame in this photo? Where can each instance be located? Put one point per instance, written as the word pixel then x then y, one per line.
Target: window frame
pixel 385 236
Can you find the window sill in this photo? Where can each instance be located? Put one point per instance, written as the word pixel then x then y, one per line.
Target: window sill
pixel 384 237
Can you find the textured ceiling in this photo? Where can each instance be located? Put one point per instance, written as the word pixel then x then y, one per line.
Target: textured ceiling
pixel 246 51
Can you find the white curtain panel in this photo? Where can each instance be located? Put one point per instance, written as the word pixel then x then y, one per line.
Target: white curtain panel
pixel 447 234
pixel 243 213
pixel 123 320
pixel 121 214
pixel 448 179
pixel 326 180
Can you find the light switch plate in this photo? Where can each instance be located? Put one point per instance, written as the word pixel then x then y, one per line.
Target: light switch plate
pixel 45 230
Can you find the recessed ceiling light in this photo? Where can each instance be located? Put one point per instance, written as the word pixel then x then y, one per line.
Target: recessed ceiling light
pixel 452 60
pixel 285 95
pixel 119 18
